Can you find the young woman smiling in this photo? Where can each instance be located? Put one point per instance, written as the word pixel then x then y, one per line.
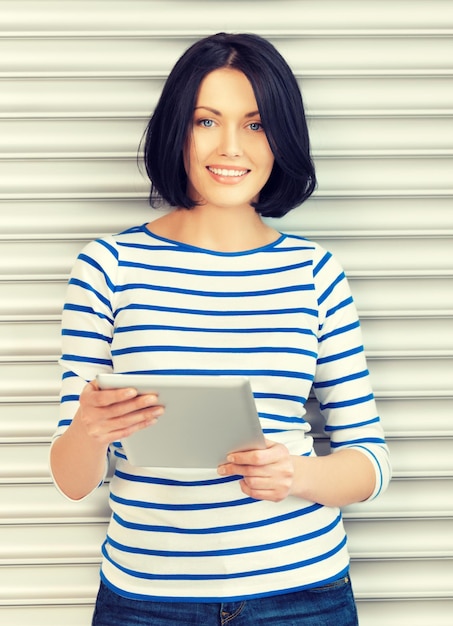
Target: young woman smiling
pixel 210 288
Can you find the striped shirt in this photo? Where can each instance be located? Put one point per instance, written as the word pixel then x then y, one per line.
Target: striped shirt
pixel 281 315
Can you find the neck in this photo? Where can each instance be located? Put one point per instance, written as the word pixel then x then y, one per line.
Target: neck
pixel 222 230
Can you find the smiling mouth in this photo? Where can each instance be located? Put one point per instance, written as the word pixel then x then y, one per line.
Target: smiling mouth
pixel 227 172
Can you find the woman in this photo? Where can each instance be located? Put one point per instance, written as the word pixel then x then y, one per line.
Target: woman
pixel 210 288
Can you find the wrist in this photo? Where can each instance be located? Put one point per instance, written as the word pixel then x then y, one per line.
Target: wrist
pixel 301 477
pixel 78 431
pixel 335 480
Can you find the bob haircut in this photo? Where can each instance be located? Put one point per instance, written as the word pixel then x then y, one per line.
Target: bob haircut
pixel 279 100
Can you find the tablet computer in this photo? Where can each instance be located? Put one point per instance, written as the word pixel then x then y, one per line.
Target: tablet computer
pixel 205 418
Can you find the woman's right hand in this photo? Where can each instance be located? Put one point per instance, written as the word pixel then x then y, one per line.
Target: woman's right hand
pixel 78 456
pixel 109 415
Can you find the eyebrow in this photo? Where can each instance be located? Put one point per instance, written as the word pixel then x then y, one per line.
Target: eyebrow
pixel 216 112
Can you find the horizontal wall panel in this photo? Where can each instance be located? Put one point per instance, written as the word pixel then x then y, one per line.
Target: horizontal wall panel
pixel 136 15
pixel 107 175
pixel 397 373
pixel 91 54
pixel 25 543
pixel 411 457
pixel 368 174
pixel 36 417
pixel 382 212
pixel 28 460
pixel 68 136
pixel 409 498
pixel 418 333
pixel 399 538
pixel 382 579
pixel 376 294
pixel 358 52
pixel 404 499
pixel 391 538
pixel 159 53
pixel 384 133
pixel 47 614
pixel 41 502
pixel 372 613
pixel 383 253
pixel 71 175
pixel 411 373
pixel 434 457
pixel 44 96
pixel 416 612
pixel 426 414
pixel 29 378
pixel 89 215
pixel 40 256
pixel 399 293
pixel 138 96
pixel 319 214
pixel 32 417
pixel 369 94
pixel 49 582
pixel 30 338
pixel 327 134
pixel 371 580
pixel 410 415
pixel 21 461
pixel 408 333
pixel 32 296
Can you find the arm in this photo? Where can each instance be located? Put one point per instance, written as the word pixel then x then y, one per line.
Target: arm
pixel 357 468
pixel 273 474
pixel 334 480
pixel 78 456
pixel 90 419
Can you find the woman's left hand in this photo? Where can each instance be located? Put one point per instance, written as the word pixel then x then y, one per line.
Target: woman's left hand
pixel 267 474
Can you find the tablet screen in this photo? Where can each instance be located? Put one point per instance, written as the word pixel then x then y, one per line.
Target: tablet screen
pixel 205 418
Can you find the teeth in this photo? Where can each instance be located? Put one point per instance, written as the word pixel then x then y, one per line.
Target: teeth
pixel 221 172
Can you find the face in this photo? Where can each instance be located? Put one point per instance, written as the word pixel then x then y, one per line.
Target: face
pixel 227 156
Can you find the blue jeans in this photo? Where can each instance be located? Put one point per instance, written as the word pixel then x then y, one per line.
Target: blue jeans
pixel 323 606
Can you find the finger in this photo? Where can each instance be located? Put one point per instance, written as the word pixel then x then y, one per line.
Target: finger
pixel 145 405
pixel 115 428
pixel 117 401
pixel 271 492
pixel 142 414
pixel 233 469
pixel 108 414
pixel 266 456
pixel 107 397
pixel 249 458
pixel 260 494
pixel 125 428
pixel 92 395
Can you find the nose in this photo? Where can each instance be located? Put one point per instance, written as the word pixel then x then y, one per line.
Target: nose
pixel 230 142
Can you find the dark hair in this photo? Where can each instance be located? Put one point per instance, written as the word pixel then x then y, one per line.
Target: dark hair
pixel 279 100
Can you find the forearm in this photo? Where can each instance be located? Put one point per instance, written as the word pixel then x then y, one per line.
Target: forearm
pixel 334 480
pixel 77 462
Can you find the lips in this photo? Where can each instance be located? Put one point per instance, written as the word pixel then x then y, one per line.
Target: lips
pixel 227 172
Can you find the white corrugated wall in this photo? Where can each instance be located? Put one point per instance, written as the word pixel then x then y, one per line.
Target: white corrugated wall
pixel 78 80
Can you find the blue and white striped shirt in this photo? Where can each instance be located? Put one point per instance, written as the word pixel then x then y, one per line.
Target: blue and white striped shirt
pixel 283 316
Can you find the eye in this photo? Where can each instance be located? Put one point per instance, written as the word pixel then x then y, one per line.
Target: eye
pixel 206 123
pixel 255 126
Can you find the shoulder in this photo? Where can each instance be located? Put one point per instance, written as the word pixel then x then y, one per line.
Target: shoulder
pixel 109 246
pixel 102 256
pixel 329 279
pixel 320 257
